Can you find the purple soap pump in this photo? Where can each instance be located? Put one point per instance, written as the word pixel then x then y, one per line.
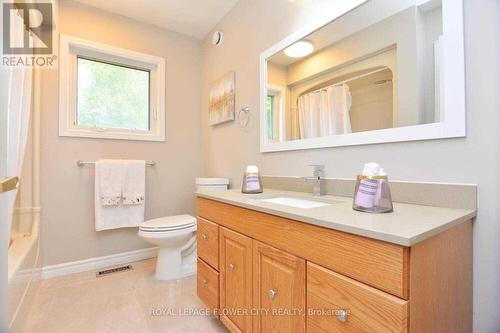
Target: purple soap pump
pixel 252 182
pixel 372 193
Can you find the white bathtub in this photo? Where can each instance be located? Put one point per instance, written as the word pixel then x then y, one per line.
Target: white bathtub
pixel 24 276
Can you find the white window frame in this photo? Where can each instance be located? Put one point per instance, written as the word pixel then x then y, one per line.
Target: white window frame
pixel 279 93
pixel 70 49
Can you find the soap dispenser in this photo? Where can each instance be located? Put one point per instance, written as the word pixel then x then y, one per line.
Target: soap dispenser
pixel 372 193
pixel 252 182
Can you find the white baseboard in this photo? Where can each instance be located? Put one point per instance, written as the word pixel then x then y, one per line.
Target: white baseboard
pixel 97 262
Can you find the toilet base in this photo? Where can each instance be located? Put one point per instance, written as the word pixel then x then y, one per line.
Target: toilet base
pixel 177 250
pixel 174 263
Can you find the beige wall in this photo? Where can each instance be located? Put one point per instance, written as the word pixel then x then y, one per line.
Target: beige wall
pixel 372 104
pixel 429 28
pixel 228 148
pixel 67 190
pixel 277 75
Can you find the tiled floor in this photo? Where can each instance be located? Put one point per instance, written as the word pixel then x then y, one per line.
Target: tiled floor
pixel 121 302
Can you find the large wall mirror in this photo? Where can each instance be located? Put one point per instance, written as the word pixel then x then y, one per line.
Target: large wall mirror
pixel 382 71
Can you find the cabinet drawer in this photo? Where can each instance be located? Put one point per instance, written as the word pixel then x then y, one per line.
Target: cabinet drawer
pixel 208 242
pixel 207 285
pixel 369 309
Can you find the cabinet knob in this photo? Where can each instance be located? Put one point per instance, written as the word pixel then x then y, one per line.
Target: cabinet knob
pixel 342 315
pixel 232 267
pixel 272 294
pixel 204 281
pixel 203 236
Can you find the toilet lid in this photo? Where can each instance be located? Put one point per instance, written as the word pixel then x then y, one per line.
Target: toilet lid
pixel 168 223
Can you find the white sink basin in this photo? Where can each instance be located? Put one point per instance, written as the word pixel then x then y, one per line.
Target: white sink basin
pixel 295 202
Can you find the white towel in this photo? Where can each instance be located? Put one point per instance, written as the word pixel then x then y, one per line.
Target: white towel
pixel 109 178
pixel 120 216
pixel 134 188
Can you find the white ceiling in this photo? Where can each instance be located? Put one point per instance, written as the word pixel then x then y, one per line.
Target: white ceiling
pixel 189 17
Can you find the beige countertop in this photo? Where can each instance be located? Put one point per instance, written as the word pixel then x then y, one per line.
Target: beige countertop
pixel 407 225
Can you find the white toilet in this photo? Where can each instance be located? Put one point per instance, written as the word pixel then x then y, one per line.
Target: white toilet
pixel 176 237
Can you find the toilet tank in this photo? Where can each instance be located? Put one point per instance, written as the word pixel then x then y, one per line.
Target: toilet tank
pixel 211 184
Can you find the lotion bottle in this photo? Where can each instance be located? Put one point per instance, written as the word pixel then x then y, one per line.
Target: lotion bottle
pixel 252 182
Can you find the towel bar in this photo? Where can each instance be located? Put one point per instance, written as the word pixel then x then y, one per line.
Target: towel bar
pixel 82 163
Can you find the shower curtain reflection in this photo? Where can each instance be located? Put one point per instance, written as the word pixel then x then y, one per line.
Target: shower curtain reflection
pixel 325 112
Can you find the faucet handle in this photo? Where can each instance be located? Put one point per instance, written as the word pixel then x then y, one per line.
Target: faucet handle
pixel 319 169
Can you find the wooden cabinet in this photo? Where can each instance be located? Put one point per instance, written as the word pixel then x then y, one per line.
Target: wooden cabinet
pixel 261 288
pixel 379 264
pixel 235 280
pixel 280 275
pixel 279 290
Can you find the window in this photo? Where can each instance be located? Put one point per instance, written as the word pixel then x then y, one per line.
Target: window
pixel 270 117
pixel 275 114
pixel 112 96
pixel 111 93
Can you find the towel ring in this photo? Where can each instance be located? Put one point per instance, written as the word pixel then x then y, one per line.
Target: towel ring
pixel 243 121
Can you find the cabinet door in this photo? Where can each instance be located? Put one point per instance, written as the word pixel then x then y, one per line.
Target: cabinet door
pixel 279 290
pixel 235 280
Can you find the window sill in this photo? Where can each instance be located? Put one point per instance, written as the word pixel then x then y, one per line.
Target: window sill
pixel 113 135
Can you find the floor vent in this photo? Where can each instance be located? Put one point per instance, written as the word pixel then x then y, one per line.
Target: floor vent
pixel 114 270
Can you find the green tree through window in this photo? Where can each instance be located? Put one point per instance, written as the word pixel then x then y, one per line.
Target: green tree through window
pixel 112 96
pixel 270 117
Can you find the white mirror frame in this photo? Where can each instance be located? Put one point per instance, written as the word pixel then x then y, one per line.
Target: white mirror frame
pixel 452 108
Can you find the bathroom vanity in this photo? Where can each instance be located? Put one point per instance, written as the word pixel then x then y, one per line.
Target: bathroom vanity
pixel 281 261
pixel 267 267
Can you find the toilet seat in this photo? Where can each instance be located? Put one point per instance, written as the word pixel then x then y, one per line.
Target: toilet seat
pixel 168 223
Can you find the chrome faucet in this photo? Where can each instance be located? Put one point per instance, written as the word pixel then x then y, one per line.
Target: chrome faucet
pixel 317 178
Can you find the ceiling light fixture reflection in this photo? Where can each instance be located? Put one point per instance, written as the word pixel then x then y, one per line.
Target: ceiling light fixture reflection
pixel 299 49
